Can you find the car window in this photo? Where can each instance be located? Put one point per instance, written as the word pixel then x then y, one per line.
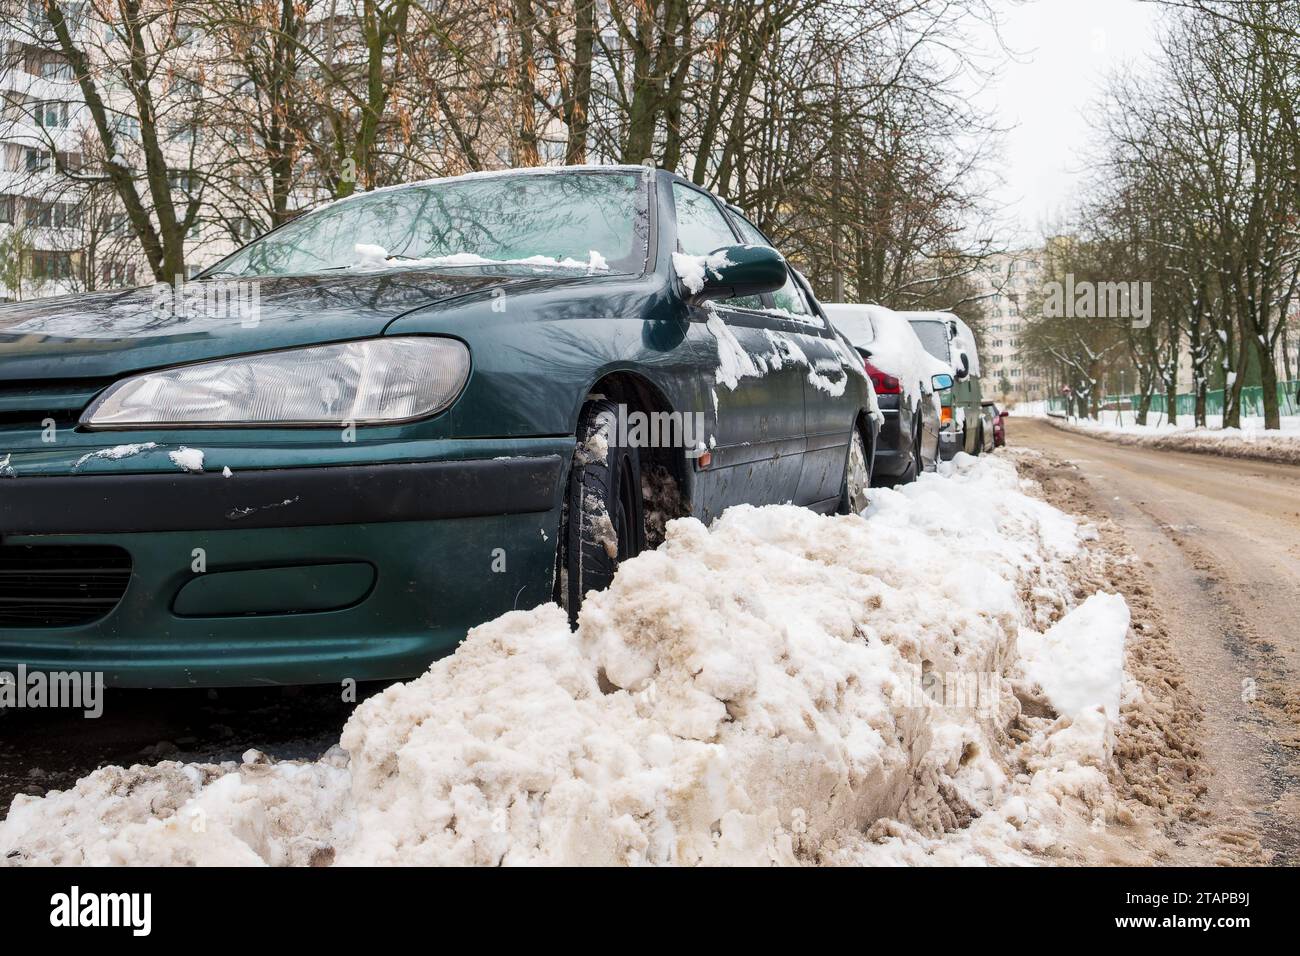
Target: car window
pixel 748 231
pixel 790 298
pixel 701 227
pixel 934 336
pixel 593 222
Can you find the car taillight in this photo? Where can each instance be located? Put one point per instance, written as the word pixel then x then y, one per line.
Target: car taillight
pixel 882 383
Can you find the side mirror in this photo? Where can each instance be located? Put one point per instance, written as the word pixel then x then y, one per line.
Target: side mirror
pixel 941 381
pixel 1004 414
pixel 732 271
pixel 965 365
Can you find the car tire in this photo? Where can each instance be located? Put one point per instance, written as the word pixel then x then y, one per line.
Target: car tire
pixel 914 466
pixel 855 488
pixel 604 511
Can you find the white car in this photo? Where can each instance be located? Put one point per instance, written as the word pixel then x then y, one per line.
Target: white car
pixel 908 383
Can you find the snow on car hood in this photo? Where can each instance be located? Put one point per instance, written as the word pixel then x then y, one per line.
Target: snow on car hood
pixel 753 692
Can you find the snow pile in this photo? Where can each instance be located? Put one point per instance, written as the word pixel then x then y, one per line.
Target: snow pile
pixel 893 345
pixel 1079 662
pixel 781 687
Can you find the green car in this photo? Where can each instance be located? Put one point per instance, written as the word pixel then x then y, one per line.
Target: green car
pixel 399 416
pixel 951 340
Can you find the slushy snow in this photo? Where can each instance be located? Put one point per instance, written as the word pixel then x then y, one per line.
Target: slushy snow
pixel 781 687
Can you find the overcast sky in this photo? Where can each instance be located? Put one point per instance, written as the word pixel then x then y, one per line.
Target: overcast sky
pixel 1065 49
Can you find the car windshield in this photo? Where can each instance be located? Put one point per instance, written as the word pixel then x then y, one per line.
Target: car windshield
pixel 934 336
pixel 591 221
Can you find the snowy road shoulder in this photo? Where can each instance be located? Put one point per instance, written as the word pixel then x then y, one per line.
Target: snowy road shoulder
pixel 1252 441
pixel 922 685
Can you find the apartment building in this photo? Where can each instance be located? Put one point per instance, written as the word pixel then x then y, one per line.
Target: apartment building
pixel 62 229
pixel 1008 280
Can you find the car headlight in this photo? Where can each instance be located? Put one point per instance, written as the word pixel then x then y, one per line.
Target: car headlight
pixel 370 381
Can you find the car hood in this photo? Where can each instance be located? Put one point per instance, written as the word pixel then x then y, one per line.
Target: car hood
pixel 106 334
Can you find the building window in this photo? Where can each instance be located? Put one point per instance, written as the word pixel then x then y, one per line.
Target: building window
pixel 51 114
pixel 55 70
pixel 36 160
pixel 117 274
pixel 180 180
pixel 51 214
pixel 127 126
pixel 51 264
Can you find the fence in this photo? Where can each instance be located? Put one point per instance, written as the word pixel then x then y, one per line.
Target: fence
pixel 1252 402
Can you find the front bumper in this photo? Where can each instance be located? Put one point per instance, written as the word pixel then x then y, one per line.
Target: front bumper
pixel 293 575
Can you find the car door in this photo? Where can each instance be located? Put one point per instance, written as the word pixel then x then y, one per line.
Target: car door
pixel 828 418
pixel 758 418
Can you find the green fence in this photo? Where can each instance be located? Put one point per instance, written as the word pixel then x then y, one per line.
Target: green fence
pixel 1252 402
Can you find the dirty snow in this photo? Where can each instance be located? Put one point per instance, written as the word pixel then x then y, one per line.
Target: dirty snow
pixel 759 691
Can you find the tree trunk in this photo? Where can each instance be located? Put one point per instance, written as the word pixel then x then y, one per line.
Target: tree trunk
pixel 1268 380
pixel 576 117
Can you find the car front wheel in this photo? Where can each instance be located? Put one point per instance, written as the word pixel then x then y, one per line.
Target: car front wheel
pixel 604 513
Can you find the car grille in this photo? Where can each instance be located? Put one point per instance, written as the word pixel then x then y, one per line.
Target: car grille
pixel 56 585
pixel 26 405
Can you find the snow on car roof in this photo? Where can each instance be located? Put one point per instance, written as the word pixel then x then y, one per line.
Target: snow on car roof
pixel 964 339
pixel 894 346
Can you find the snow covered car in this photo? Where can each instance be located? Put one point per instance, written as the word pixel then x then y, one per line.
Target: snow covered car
pixel 951 340
pixel 398 416
pixel 908 382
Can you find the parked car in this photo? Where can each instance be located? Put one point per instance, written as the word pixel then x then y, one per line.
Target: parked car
pixel 446 400
pixel 999 419
pixel 908 382
pixel 951 340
